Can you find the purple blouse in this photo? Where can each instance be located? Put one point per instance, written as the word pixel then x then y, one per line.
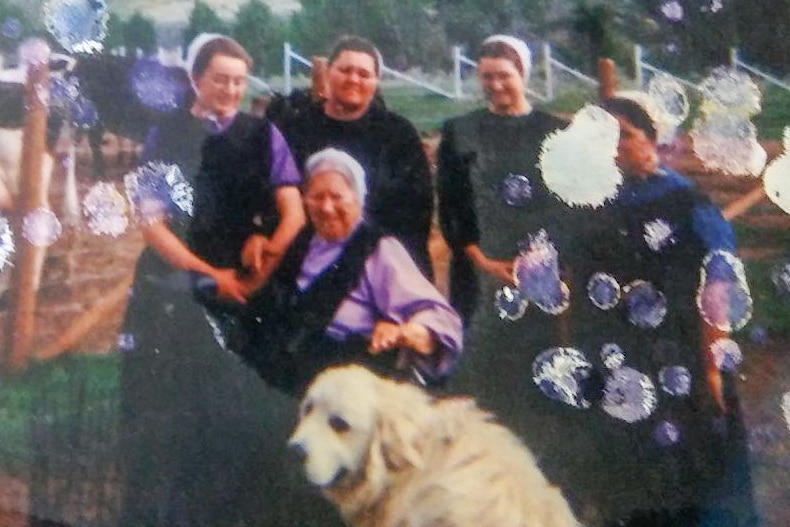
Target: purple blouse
pixel 282 169
pixel 392 288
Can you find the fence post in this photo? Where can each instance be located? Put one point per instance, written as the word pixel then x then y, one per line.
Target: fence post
pixel 286 68
pixel 639 79
pixel 458 90
pixel 547 71
pixel 318 77
pixel 607 77
pixel 33 194
pixel 734 58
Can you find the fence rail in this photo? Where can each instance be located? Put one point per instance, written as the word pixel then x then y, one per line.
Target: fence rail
pixel 736 62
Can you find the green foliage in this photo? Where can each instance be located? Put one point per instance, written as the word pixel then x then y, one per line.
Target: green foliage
pixel 48 394
pixel 261 34
pixel 202 19
pixel 10 12
pixel 406 31
pixel 139 33
pixel 115 33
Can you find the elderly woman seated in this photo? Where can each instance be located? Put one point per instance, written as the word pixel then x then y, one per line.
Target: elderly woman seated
pixel 346 292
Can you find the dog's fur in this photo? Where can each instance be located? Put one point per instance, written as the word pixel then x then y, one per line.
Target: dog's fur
pixel 388 454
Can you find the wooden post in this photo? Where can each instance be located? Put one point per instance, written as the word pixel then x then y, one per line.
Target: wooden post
pixel 33 194
pixel 320 67
pixel 744 203
pixel 607 77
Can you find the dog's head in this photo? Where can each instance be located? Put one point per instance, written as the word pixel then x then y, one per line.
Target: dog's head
pixel 357 427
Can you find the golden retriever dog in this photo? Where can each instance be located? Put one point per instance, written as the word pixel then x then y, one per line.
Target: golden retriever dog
pixel 388 454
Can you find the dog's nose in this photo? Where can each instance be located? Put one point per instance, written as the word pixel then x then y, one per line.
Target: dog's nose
pixel 298 450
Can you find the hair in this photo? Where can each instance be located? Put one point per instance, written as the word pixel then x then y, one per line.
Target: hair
pixel 634 113
pixel 500 50
pixel 338 161
pixel 358 44
pixel 219 46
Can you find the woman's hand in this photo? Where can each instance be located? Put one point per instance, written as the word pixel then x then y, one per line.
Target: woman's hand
pixel 501 270
pixel 388 335
pixel 229 287
pixel 254 252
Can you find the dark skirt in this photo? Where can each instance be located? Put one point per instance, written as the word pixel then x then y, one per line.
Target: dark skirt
pixel 203 440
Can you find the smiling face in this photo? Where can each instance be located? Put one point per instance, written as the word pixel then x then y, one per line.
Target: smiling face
pixel 333 206
pixel 221 86
pixel 352 82
pixel 503 86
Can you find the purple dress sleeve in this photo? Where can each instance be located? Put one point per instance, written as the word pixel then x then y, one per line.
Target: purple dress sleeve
pixel 283 167
pixel 394 289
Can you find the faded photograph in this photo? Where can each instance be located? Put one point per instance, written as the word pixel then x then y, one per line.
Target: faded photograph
pixel 394 263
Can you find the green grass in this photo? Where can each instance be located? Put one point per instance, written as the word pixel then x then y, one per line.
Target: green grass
pixel 427 111
pixel 775 114
pixel 47 394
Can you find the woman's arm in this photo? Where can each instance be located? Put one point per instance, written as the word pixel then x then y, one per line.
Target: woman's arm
pixel 158 236
pixel 262 254
pixel 409 311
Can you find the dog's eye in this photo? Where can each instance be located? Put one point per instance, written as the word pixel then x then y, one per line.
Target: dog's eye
pixel 307 408
pixel 338 424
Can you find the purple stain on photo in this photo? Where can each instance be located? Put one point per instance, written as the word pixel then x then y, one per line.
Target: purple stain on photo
pixel 84 114
pixel 780 276
pixel 723 298
pixel 603 291
pixel 6 244
pixel 537 274
pixel 666 434
pixel 672 10
pixel 157 190
pixel 629 395
pixel 646 306
pixel 515 190
pixel 77 25
pixel 565 375
pixel 41 228
pixel 105 208
pixel 509 303
pixel 11 28
pixel 658 234
pixel 675 380
pixel 726 354
pixel 125 342
pixel 159 87
pixel 758 335
pixel 612 356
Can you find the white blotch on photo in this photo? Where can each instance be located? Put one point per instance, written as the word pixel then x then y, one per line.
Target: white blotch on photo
pixel 578 163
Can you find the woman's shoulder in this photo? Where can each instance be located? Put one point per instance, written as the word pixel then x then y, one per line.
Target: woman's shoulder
pixel 468 117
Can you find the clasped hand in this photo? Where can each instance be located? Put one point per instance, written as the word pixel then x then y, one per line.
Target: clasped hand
pixel 388 335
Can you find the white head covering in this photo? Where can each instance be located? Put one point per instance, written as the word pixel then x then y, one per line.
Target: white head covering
pixel 334 160
pixel 517 45
pixel 194 49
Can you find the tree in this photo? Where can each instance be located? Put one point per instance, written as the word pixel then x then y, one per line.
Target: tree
pixel 261 33
pixel 15 25
pixel 115 37
pixel 407 32
pixel 139 33
pixel 203 19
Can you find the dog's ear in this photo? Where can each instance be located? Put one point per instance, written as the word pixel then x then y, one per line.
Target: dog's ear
pixel 402 423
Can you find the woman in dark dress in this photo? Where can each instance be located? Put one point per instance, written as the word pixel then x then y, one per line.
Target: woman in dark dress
pixel 400 194
pixel 484 157
pixel 673 446
pixel 196 423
